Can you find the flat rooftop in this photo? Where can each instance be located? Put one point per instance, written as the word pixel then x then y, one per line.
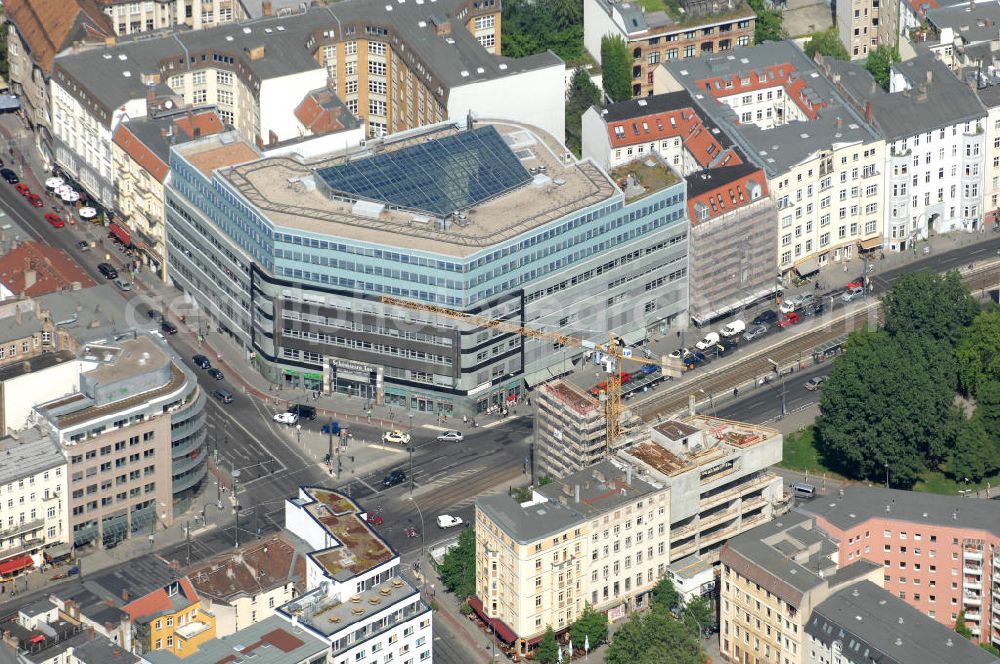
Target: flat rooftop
pixel 643 177
pixel 721 438
pixel 270 641
pixel 256 567
pixel 571 396
pixel 124 360
pixel 292 193
pixel 28 453
pixel 330 616
pixel 359 549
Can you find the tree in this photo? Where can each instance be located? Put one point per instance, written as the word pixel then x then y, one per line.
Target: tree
pixel 617 68
pixel 534 26
pixel 884 404
pixel 827 42
pixel 699 611
pixel 664 595
pixel 961 627
pixel 654 638
pixel 458 568
pixel 988 410
pixel 930 305
pixel 592 625
pixel 974 456
pixel 582 94
pixel 548 649
pixel 768 26
pixel 990 648
pixel 977 355
pixel 879 63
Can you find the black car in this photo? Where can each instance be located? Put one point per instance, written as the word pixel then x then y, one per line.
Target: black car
pixel 222 395
pixel 303 411
pixel 153 313
pixel 201 362
pixel 215 373
pixel 168 327
pixel 394 478
pixel 9 175
pixel 108 270
pixel 765 317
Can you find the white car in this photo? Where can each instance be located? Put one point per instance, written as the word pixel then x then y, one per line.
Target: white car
pixel 788 306
pixel 449 521
pixel 396 437
pixel 710 340
pixel 451 436
pixel 733 329
pixel 286 418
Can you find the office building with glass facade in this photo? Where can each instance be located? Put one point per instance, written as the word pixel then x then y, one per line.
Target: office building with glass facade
pixel 293 258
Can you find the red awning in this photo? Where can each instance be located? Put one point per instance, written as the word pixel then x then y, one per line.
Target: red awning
pixel 504 633
pixel 15 564
pixel 120 233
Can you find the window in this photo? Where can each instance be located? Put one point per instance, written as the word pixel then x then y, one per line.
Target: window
pixel 224 77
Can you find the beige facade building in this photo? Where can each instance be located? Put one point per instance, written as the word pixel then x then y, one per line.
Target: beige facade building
pixel 133 16
pixel 772 578
pixel 134 438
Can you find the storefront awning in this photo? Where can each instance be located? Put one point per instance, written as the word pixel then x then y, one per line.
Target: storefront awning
pixel 120 233
pixel 504 633
pixel 15 564
pixel 808 267
pixel 871 243
pixel 631 338
pixel 535 377
pixel 58 551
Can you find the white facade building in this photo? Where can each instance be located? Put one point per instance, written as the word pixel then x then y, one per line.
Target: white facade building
pixel 354 598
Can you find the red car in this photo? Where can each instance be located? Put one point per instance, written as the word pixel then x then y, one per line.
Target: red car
pixel 790 318
pixel 23 189
pixel 857 283
pixel 35 199
pixel 374 519
pixel 54 219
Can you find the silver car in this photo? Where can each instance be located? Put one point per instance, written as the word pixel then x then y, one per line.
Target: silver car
pixel 451 436
pixel 852 293
pixel 755 332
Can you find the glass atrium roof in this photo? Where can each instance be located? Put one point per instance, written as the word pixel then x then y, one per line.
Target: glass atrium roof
pixel 438 177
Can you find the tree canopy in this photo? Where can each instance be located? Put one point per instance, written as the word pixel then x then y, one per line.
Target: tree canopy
pixel 654 638
pixel 458 568
pixel 929 305
pixel 535 26
pixel 548 648
pixel 885 404
pixel 592 625
pixel 664 595
pixel 974 457
pixel 879 63
pixel 827 42
pixel 977 355
pixel 769 22
pixel 582 94
pixel 616 66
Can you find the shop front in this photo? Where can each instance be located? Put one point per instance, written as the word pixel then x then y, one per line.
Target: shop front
pixel 353 378
pixel 307 380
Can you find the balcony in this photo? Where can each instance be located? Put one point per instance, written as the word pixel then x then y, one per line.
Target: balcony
pixel 972 584
pixel 973 616
pixel 972 554
pixel 20 528
pixel 972 600
pixel 680 533
pixel 27 546
pixel 973 570
pixel 745 487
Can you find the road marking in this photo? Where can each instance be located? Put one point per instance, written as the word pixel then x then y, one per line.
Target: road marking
pixel 370 487
pixel 434 427
pixel 254 438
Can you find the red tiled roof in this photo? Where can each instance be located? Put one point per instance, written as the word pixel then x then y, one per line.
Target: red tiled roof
pixel 917 6
pixel 318 117
pixel 146 158
pixel 728 196
pixel 202 123
pixel 257 567
pixel 54 270
pixel 158 602
pixel 683 123
pixel 769 77
pixel 49 26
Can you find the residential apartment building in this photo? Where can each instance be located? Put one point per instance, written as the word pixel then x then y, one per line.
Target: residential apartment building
pixel 32 269
pixel 823 162
pixel 244 587
pixel 170 619
pixel 37 31
pixel 140 151
pixel 39 634
pixel 859 24
pixel 695 29
pixel 135 16
pixel 772 579
pixel 356 602
pixel 33 500
pixel 863 623
pixel 351 273
pixel 395 70
pixel 733 234
pixel 965 36
pixel 86 608
pixel 934 128
pixel 134 438
pixel 270 641
pixel 595 537
pixel 937 553
pixel 988 91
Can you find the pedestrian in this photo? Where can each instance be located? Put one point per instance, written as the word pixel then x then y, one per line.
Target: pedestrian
pixel 736 392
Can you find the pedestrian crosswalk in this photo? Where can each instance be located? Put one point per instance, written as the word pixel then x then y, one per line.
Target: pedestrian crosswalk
pixel 470 500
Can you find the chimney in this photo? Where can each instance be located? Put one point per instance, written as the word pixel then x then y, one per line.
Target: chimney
pixel 840 122
pixel 868 112
pixel 124 594
pixel 930 77
pixel 628 475
pixel 90 633
pixel 265 8
pixel 874 87
pixel 17 314
pixel 30 277
pixel 576 492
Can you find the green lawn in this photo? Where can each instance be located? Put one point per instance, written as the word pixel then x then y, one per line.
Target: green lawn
pixel 936 482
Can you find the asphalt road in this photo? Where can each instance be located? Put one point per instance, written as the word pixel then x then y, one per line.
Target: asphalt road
pixel 763 404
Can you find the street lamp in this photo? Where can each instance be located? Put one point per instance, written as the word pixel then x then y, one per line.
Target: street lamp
pixel 409 448
pixel 421 515
pixel 298 434
pixel 781 376
pixel 236 505
pixel 711 399
pixel 886 476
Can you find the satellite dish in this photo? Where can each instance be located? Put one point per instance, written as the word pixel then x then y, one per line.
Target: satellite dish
pixel 168 104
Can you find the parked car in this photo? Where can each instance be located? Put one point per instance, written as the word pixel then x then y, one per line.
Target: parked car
pixel 201 362
pixel 679 353
pixel 222 395
pixel 394 478
pixel 755 332
pixel 35 200
pixel 10 176
pixel 693 359
pixel 216 374
pixel 733 329
pixel 55 220
pixel 107 270
pixel 396 437
pixel 23 189
pixel 852 294
pixel 168 327
pixel 303 411
pixel 285 418
pixel 791 318
pixel 123 284
pixel 451 436
pixel 83 245
pixel 449 521
pixel 765 317
pixel 710 340
pixel 813 383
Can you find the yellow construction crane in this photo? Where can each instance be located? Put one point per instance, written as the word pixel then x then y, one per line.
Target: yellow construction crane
pixel 613 391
